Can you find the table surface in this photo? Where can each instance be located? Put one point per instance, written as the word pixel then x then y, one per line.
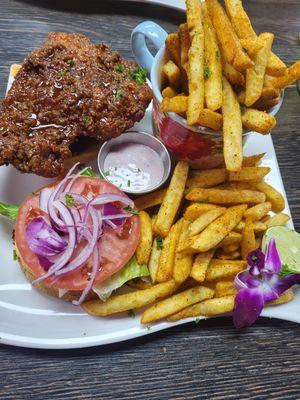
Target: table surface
pixel 206 361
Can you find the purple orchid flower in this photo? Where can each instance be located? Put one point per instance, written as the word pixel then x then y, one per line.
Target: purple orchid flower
pixel 259 283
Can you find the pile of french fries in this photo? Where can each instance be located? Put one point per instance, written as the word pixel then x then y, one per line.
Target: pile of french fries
pixel 222 75
pixel 195 238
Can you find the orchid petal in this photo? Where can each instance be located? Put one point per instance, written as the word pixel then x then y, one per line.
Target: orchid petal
pixel 248 306
pixel 286 282
pixel 256 259
pixel 272 259
pixel 245 280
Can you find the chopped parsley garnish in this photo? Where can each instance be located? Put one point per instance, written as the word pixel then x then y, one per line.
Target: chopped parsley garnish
pixel 139 170
pixel 207 73
pixel 218 53
pixel 107 173
pixel 15 257
pixel 119 93
pixel 119 68
pixel 131 314
pixel 63 73
pixel 85 118
pixel 242 107
pixel 197 321
pixel 128 183
pixel 148 328
pixel 131 210
pixel 159 242
pixel 245 49
pixel 70 201
pixel 71 63
pixel 138 74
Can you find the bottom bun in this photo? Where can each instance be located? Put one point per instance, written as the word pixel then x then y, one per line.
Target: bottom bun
pixel 70 295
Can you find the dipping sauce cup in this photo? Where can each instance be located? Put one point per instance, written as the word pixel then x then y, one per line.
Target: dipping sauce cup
pixel 136 162
pixel 200 146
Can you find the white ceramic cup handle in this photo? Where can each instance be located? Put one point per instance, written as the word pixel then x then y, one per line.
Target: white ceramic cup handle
pixel 155 33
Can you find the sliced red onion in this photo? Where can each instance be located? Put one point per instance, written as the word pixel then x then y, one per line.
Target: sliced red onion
pixel 74 178
pixel 66 255
pixel 85 254
pixel 42 239
pixel 51 210
pixel 96 262
pixel 112 212
pixel 44 198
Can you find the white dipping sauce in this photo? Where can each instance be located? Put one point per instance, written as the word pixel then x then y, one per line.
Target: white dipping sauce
pixel 133 167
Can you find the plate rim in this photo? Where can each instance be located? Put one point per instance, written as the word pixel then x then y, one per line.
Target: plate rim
pixel 137 331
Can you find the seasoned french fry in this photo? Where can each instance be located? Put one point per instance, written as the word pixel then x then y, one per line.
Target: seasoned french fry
pixel 224 269
pixel 272 195
pixel 215 232
pixel 207 178
pixel 139 284
pixel 150 200
pixel 169 92
pixel 231 239
pixel 213 67
pixel 172 73
pixel 232 129
pixel 172 199
pixel 279 219
pixel 236 185
pixel 286 296
pixel 176 303
pixel 204 220
pixel 258 121
pixel 291 75
pixel 252 161
pixel 177 104
pixel 248 238
pixel 235 77
pixel 196 61
pixel 154 260
pixel 201 264
pixel 129 301
pixel 239 19
pixel 243 28
pixel 173 47
pixel 231 46
pixel 196 209
pixel 210 119
pixel 231 248
pixel 216 306
pixel 185 44
pixel 225 288
pixel 258 211
pixel 252 46
pixel 266 105
pixel 255 75
pixel 144 248
pixel 258 226
pixel 221 255
pixel 249 174
pixel 223 196
pixel 182 262
pixel 268 93
pixel 166 259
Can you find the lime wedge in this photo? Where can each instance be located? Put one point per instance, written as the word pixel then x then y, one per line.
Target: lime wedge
pixel 288 246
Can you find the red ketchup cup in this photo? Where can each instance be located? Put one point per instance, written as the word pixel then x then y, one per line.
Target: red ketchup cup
pixel 200 146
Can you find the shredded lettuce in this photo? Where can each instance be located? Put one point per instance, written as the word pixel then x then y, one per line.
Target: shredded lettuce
pixel 9 210
pixel 131 270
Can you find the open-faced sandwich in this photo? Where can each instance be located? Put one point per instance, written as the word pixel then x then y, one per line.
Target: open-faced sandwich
pixel 76 233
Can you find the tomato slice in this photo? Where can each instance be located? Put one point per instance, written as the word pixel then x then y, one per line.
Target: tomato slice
pixel 116 247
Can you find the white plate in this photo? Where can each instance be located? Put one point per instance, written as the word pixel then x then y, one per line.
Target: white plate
pixel 31 319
